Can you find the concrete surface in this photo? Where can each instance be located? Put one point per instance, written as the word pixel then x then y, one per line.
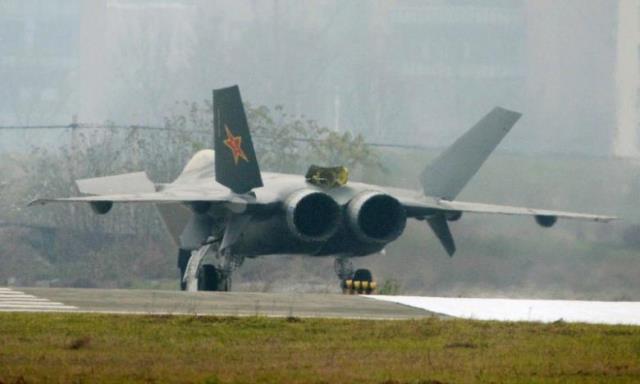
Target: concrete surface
pixel 202 303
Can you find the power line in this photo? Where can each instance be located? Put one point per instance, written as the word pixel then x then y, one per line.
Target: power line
pixel 169 129
pixel 21 127
pixel 101 127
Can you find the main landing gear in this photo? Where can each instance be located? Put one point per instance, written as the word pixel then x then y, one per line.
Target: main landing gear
pixel 207 269
pixel 211 278
pixel 358 282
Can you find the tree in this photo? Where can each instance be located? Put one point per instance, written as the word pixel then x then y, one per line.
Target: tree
pixel 285 143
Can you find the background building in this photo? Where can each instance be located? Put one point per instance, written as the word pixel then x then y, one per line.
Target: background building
pixel 627 79
pixel 38 52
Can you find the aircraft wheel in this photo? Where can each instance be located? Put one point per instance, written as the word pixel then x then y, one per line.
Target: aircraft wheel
pixel 361 283
pixel 211 279
pixel 208 278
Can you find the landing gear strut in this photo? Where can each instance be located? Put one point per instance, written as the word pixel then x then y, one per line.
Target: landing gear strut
pixel 360 281
pixel 343 267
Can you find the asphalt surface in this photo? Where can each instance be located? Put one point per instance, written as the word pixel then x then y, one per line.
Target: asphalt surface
pixel 202 303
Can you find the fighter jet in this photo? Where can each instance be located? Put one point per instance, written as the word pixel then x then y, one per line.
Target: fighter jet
pixel 222 209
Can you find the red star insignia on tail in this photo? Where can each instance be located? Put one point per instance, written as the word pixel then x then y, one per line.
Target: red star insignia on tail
pixel 235 145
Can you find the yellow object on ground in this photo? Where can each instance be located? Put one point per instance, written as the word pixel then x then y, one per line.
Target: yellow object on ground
pixel 361 287
pixel 330 177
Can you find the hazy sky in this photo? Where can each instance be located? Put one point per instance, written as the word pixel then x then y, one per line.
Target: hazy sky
pixel 402 71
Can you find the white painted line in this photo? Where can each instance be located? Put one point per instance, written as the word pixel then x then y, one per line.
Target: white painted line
pixel 59 308
pixel 30 309
pixel 16 297
pixel 38 304
pixel 31 302
pixel 12 300
pixel 19 303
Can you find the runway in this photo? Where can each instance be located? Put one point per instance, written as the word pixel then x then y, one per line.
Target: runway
pixel 202 303
pixel 132 301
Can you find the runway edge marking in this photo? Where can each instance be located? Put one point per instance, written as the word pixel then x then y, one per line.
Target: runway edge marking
pixel 528 310
pixel 12 300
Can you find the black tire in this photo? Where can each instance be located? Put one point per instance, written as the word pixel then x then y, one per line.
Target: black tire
pixel 363 275
pixel 208 278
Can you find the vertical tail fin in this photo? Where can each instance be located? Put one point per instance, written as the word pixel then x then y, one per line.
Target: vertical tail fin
pixel 447 175
pixel 235 159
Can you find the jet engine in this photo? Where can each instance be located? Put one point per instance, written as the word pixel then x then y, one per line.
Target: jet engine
pixel 375 217
pixel 546 221
pixel 101 207
pixel 312 215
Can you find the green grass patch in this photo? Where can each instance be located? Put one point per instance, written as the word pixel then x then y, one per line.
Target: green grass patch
pixel 99 348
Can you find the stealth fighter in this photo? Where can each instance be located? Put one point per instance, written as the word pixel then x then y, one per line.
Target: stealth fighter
pixel 222 209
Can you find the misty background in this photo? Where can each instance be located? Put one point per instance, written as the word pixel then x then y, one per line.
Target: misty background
pixel 399 72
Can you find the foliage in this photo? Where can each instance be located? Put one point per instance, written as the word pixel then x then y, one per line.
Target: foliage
pixel 389 287
pixel 284 142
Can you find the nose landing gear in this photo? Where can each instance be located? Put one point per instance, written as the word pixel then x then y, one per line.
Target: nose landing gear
pixel 362 283
pixel 359 282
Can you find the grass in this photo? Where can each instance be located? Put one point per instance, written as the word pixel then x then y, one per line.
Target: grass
pixel 100 348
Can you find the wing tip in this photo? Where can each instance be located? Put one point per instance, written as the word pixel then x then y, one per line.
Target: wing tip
pixel 606 219
pixel 509 114
pixel 35 202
